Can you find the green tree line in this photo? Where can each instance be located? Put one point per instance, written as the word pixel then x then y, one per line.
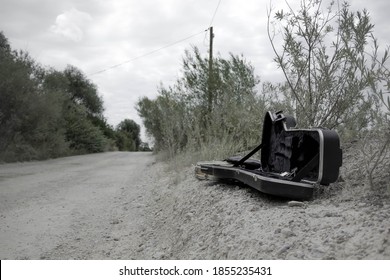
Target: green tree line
pixel 46 113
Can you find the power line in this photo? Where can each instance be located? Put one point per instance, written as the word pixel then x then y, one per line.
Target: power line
pixel 159 49
pixel 211 22
pixel 215 12
pixel 146 54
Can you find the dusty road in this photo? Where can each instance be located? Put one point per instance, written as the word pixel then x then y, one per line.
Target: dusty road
pixel 79 207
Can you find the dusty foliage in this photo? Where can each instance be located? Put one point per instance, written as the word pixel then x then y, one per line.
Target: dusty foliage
pixel 367 162
pixel 184 118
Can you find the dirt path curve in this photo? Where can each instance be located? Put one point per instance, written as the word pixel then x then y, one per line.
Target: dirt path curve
pixel 81 207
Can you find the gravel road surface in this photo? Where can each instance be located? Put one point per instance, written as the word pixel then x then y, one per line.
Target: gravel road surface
pixel 126 206
pixel 79 207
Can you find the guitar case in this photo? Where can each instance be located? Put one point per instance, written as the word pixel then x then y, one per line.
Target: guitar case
pixel 292 161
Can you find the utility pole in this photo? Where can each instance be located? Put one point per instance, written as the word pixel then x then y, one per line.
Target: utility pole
pixel 210 81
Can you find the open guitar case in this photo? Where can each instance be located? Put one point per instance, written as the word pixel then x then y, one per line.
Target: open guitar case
pixel 292 161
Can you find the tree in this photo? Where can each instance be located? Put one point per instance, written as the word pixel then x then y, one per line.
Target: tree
pixel 128 135
pixel 47 113
pixel 30 116
pixel 336 76
pixel 86 130
pixel 326 61
pixel 183 118
pixel 81 91
pixel 151 115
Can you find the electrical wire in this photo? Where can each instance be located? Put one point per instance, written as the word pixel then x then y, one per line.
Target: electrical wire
pixel 215 12
pixel 159 49
pixel 146 54
pixel 211 22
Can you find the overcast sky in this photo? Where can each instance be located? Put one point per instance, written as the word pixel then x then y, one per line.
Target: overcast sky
pixel 94 35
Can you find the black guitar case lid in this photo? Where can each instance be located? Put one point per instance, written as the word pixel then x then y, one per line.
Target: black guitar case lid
pixel 312 155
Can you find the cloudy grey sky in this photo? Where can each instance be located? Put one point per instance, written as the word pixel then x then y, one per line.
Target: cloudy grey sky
pixel 96 34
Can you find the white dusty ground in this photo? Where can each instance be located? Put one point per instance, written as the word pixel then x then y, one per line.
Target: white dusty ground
pixel 126 206
pixel 199 220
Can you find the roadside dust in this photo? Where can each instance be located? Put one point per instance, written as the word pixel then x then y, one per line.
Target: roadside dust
pixel 205 220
